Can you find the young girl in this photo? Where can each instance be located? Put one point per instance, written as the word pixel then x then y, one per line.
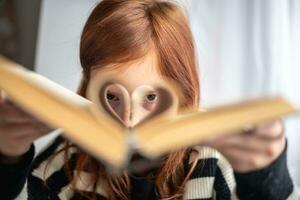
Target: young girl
pixel 141 42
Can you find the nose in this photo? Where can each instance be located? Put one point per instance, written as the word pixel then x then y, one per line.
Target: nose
pixel 126 118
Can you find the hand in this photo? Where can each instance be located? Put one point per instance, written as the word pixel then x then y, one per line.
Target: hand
pixel 252 150
pixel 18 129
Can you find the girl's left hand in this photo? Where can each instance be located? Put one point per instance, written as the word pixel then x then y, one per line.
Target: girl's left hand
pixel 252 150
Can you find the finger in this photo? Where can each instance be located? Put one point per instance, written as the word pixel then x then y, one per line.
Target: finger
pixel 20 129
pixel 243 156
pixel 243 142
pixel 270 148
pixel 243 160
pixel 11 114
pixel 16 131
pixel 214 139
pixel 270 131
pixel 2 96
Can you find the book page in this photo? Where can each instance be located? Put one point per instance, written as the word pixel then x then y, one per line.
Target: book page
pixel 156 138
pixel 60 108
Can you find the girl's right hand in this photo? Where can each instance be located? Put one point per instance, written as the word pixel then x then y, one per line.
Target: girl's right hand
pixel 18 130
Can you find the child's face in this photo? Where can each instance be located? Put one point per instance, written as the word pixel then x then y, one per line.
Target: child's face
pixel 134 98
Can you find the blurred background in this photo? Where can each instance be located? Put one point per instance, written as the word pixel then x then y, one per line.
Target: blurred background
pixel 245 49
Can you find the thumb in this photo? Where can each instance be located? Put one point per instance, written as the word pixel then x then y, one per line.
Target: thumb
pixel 3 96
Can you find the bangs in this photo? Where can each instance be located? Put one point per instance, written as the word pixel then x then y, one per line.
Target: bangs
pixel 129 57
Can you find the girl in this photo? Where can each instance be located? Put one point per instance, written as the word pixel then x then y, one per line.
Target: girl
pixel 141 42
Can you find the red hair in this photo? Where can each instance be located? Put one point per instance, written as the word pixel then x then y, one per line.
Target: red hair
pixel 119 31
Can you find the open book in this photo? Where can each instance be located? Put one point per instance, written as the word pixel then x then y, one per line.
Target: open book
pixel 101 134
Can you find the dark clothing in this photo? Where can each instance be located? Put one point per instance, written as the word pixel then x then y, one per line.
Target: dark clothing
pixel 142 189
pixel 271 183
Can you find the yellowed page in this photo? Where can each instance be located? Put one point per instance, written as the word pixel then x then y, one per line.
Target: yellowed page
pixel 159 137
pixel 58 107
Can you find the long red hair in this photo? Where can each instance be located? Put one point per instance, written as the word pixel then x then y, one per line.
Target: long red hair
pixel 119 31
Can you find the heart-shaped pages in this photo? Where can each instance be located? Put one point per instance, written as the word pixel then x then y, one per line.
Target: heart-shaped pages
pixel 135 107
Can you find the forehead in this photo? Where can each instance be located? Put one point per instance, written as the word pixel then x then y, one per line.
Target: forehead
pixel 132 74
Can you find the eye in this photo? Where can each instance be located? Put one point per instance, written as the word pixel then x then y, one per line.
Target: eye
pixel 151 97
pixel 150 101
pixel 111 97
